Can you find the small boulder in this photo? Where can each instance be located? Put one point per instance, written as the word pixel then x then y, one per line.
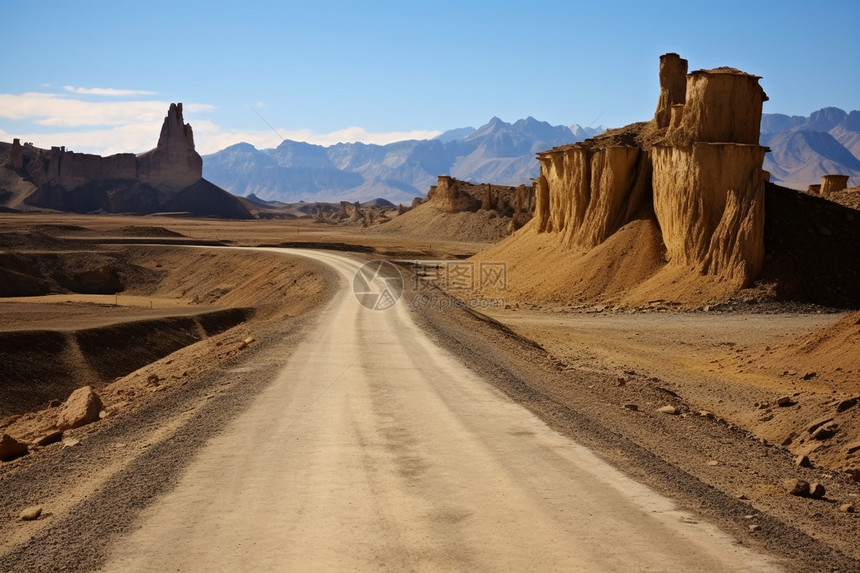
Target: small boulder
pixel 816 490
pixel 802 461
pixel 796 487
pixel 754 527
pixel 784 401
pixel 846 404
pixel 631 406
pixel 847 508
pixel 30 513
pixel 10 448
pixel 826 431
pixel 82 408
pixel 672 410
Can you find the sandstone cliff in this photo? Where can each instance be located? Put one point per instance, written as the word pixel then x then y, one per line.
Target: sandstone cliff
pixel 166 178
pixel 695 168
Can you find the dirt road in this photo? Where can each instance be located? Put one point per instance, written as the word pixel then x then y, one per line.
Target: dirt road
pixel 374 449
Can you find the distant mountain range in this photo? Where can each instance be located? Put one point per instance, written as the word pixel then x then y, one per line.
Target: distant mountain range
pixel 805 148
pixel 498 152
pixel 802 150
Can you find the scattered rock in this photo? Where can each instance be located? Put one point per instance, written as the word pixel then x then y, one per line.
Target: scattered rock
pixel 713 463
pixel 153 380
pixel 621 381
pixel 48 439
pixel 249 340
pixel 672 410
pixel 816 491
pixel 30 513
pixel 826 431
pixel 784 401
pixel 754 527
pixel 810 375
pixel 10 448
pixel 802 461
pixel 817 424
pixel 846 404
pixel 796 487
pixel 632 407
pixel 847 508
pixel 82 407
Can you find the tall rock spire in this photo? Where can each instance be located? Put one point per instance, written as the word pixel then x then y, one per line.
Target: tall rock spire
pixel 173 163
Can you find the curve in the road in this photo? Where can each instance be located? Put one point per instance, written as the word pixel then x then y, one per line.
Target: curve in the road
pixel 373 449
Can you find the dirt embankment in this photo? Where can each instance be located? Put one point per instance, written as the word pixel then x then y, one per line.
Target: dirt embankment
pixel 175 312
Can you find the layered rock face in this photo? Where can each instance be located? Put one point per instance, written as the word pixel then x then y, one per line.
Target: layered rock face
pixel 696 166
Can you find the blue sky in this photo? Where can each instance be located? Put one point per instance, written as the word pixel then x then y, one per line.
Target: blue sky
pixel 98 76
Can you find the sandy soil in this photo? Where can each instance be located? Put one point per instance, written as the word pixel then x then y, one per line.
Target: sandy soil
pixel 580 380
pixel 735 365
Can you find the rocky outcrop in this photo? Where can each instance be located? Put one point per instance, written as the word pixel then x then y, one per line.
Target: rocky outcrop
pixel 81 408
pixel 167 178
pixel 172 165
pixel 10 448
pixel 451 195
pixel 174 162
pixel 696 168
pixel 673 87
pixel 833 184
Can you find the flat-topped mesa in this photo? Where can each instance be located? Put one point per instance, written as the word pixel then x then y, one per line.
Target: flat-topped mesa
pixel 722 105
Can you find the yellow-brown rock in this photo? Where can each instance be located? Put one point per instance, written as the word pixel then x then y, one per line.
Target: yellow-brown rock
pixel 833 183
pixel 709 201
pixel 697 164
pixel 603 188
pixel 673 87
pixel 721 105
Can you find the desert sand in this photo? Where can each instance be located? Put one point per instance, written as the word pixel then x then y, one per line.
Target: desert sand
pixel 724 370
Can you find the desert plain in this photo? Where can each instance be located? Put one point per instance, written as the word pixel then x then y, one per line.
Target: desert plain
pixel 712 406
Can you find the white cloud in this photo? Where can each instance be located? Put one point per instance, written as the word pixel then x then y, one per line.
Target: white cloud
pixel 55 110
pixel 112 127
pixel 106 91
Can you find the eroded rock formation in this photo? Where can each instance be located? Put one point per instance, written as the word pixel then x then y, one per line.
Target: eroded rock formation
pixel 166 178
pixel 833 184
pixel 451 195
pixel 696 168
